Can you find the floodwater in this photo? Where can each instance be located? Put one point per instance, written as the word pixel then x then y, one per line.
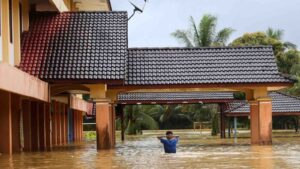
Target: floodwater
pixel 195 150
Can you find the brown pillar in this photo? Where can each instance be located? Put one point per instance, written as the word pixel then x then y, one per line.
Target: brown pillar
pixel 26 108
pixel 16 109
pixel 80 125
pixel 113 128
pixel 66 123
pixel 75 125
pixel 104 126
pixel 223 121
pixel 54 123
pixel 48 127
pixel 58 120
pixel 63 125
pixel 122 122
pixel 34 126
pixel 42 126
pixel 5 123
pixel 261 121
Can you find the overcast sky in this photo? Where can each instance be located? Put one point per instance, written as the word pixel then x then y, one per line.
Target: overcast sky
pixel 162 17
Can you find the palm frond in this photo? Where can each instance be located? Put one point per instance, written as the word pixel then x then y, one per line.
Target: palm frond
pixel 196 36
pixel 207 29
pixel 183 37
pixel 223 36
pixel 147 121
pixel 275 33
pixel 290 45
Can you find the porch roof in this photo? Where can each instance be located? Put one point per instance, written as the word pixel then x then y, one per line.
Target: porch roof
pixel 282 104
pixel 174 97
pixel 213 65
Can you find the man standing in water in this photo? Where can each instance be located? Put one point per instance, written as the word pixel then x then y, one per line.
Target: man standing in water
pixel 169 143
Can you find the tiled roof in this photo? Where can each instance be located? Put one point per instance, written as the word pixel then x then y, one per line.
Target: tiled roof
pixel 76 46
pixel 281 103
pixel 160 66
pixel 174 96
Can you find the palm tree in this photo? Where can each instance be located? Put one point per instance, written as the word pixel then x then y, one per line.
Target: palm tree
pixel 278 35
pixel 136 120
pixel 205 34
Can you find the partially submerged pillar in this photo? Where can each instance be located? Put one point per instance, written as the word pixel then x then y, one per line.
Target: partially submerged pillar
pixel 261 121
pixel 105 115
pixel 260 116
pixel 16 116
pixel 223 121
pixel 104 125
pixel 5 123
pixel 35 126
pixel 26 113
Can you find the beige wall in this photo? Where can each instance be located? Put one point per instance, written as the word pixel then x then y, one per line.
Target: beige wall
pixel 91 5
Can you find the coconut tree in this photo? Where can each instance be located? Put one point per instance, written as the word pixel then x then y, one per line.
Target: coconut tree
pixel 136 120
pixel 278 35
pixel 204 34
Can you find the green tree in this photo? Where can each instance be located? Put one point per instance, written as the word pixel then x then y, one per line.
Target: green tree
pixel 278 34
pixel 204 34
pixel 289 62
pixel 136 120
pixel 260 38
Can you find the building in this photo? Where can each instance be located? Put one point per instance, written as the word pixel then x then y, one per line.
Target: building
pixel 54 51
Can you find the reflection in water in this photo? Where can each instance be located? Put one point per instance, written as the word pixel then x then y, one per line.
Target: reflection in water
pixel 194 151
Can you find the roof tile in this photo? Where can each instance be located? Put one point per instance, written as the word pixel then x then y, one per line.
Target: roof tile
pixel 76 46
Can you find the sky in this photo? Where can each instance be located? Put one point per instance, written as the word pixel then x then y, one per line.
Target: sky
pixel 160 18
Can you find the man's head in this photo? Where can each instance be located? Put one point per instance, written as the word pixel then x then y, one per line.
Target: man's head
pixel 169 135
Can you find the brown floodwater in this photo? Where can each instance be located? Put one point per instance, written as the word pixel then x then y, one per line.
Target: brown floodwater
pixel 195 150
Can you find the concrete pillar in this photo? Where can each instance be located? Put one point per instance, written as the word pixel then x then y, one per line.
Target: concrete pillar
pixel 16 116
pixel 5 123
pixel 35 126
pixel 54 122
pixel 104 125
pixel 63 124
pixel 66 123
pixel 75 125
pixel 70 125
pixel 26 108
pixel 58 120
pixel 120 109
pixel 235 126
pixel 48 127
pixel 261 121
pixel 223 121
pixel 80 125
pixel 42 126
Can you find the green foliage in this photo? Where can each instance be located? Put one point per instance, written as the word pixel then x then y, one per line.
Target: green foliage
pixel 259 38
pixel 205 34
pixel 176 116
pixel 90 135
pixel 289 62
pixel 239 95
pixel 136 120
pixel 286 122
pixel 278 34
